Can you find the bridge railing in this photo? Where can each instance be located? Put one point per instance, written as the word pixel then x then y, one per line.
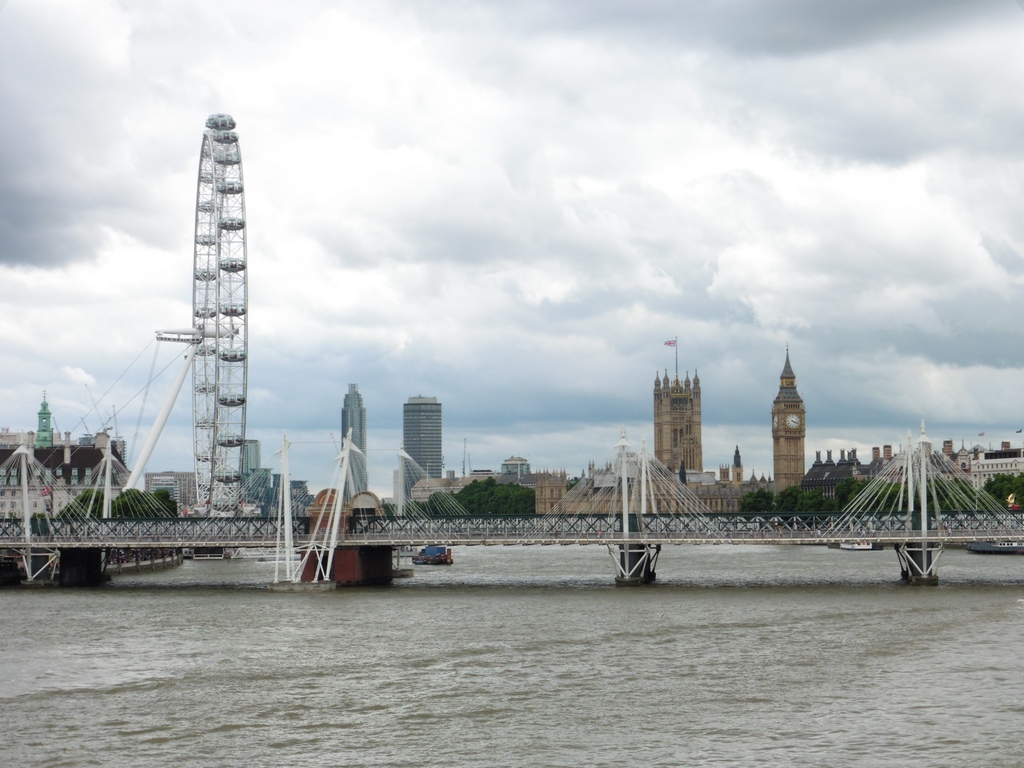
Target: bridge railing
pixel 186 531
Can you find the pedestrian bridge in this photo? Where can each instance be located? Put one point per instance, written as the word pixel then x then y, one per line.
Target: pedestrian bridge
pixel 795 528
pixel 919 504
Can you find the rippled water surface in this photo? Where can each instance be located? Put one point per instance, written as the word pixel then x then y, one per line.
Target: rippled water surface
pixel 739 655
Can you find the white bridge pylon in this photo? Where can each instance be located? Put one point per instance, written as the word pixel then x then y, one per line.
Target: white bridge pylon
pixel 634 563
pixel 325 537
pixel 323 540
pixel 192 337
pixel 39 486
pixel 931 495
pixel 639 496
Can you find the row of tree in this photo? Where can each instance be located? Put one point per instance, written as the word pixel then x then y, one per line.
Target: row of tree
pixel 795 499
pixel 131 503
pixel 1006 487
pixel 487 497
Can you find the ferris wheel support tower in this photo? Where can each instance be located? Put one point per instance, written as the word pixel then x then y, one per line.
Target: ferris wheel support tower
pixel 220 313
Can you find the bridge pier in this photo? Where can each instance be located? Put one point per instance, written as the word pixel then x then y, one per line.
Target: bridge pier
pixel 352 566
pixel 919 562
pixel 81 568
pixel 635 564
pixel 41 565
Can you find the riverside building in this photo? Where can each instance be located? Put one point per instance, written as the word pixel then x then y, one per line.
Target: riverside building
pixel 677 423
pixel 421 433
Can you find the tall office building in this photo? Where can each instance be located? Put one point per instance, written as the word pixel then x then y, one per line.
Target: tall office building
pixel 421 433
pixel 251 459
pixel 353 416
pixel 257 496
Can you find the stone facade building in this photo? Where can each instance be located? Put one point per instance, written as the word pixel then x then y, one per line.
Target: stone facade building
pixel 677 423
pixel 789 431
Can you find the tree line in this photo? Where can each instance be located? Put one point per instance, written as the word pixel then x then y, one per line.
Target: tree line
pixel 1004 486
pixel 130 503
pixel 487 497
pixel 795 499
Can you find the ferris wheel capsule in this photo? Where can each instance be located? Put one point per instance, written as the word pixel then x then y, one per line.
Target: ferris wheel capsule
pixel 220 122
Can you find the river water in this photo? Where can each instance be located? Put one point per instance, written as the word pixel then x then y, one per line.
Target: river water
pixel 739 655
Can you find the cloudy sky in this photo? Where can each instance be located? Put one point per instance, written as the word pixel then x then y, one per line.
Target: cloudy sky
pixel 511 206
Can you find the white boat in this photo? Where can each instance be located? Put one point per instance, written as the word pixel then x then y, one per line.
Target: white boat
pixel 856 545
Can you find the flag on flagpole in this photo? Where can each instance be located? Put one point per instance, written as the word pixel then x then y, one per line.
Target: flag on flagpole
pixel 981 434
pixel 1021 429
pixel 45 491
pixel 670 343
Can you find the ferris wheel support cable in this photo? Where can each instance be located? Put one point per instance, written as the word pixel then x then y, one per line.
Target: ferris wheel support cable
pixel 138 472
pixel 145 397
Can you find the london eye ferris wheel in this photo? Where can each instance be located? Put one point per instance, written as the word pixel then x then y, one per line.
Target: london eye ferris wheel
pixel 220 311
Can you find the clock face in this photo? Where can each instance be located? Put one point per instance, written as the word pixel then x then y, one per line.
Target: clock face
pixel 775 421
pixel 792 421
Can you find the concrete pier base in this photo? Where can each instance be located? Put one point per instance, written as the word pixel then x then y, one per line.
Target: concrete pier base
pixel 81 568
pixel 354 566
pixel 38 584
pixel 635 564
pixel 919 562
pixel 41 566
pixel 302 586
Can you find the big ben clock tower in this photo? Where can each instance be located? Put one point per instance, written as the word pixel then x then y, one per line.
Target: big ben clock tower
pixel 789 428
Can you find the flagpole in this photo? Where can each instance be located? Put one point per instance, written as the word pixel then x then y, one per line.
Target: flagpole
pixel 674 343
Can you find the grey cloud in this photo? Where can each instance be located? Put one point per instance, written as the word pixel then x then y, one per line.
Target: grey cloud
pixel 743 27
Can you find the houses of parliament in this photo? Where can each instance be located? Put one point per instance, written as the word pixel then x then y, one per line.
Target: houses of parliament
pixel 678 445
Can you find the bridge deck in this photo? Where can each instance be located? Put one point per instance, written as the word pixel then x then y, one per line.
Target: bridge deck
pixel 493 531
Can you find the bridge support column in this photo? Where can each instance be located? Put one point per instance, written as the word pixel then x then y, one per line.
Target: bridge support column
pixel 634 563
pixel 354 566
pixel 81 568
pixel 41 565
pixel 919 562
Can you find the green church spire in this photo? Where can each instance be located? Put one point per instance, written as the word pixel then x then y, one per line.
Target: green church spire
pixel 44 433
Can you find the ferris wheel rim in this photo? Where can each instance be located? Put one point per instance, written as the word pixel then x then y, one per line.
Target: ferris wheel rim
pixel 220 313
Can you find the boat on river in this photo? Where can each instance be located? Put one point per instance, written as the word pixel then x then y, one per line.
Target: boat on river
pixel 996 547
pixel 433 555
pixel 856 546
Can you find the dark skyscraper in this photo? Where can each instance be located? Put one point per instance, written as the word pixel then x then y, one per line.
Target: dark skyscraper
pixel 353 416
pixel 421 432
